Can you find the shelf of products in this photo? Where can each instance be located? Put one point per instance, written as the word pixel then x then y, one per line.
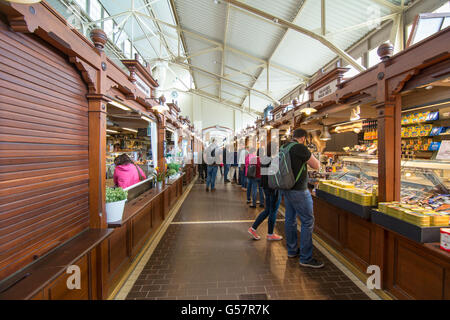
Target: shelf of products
pixel 136 145
pixel 422 134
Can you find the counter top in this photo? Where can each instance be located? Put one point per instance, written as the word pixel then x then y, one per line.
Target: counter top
pixel 136 205
pixel 172 181
pixel 29 281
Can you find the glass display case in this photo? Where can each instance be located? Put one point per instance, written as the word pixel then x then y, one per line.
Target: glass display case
pixel 425 183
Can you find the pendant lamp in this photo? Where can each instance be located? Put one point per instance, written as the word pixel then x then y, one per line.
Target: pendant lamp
pixel 355 114
pixel 325 136
pixel 308 110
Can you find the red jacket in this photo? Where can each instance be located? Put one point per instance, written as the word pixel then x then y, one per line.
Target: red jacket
pixel 127 175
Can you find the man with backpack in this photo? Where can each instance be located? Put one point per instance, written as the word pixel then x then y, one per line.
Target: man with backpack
pixel 292 178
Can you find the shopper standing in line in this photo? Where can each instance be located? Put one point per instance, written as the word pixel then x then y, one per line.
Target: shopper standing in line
pixel 211 161
pixel 272 197
pixel 234 167
pixel 253 174
pixel 242 155
pixel 298 202
pixel 226 163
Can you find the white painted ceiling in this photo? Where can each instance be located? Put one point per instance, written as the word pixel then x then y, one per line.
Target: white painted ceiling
pixel 230 47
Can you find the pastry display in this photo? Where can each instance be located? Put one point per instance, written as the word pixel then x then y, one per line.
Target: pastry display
pixel 417 215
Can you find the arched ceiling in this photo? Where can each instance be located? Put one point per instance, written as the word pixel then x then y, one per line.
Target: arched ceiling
pixel 248 53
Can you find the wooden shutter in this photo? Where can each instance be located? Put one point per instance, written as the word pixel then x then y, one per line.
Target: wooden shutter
pixel 43 150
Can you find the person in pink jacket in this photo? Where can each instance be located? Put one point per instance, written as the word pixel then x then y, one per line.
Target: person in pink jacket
pixel 126 172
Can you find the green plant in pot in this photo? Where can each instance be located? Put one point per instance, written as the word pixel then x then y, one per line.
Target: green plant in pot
pixel 115 203
pixel 171 172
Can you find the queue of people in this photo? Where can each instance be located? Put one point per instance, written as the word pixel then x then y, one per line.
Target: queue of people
pixel 250 169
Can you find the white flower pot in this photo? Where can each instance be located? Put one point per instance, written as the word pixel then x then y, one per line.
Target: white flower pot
pixel 114 211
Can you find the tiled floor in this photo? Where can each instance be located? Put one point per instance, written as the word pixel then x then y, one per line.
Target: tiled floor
pixel 210 260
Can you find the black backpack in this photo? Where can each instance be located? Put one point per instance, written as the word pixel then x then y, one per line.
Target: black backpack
pixel 251 171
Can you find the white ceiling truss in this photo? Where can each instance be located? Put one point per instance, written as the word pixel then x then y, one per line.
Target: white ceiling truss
pixel 250 54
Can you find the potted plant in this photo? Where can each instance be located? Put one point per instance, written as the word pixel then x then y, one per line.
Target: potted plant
pixel 115 203
pixel 160 175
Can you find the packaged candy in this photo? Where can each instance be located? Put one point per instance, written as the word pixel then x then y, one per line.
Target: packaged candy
pixel 434 146
pixel 436 131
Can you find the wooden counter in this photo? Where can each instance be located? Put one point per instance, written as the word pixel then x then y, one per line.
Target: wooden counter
pixel 410 270
pixel 46 279
pixel 141 219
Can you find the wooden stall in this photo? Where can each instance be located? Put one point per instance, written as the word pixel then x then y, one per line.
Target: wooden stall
pixel 55 88
pixel 416 78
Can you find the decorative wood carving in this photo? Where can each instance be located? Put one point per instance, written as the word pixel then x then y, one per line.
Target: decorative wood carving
pixel 99 38
pixel 88 73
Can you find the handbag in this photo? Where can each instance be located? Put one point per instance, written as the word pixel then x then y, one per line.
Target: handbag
pixel 139 173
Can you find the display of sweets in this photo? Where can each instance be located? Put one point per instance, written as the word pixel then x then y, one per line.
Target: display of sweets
pixel 349 192
pixel 428 199
pixel 414 214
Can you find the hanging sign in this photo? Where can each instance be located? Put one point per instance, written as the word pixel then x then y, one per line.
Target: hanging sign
pixel 326 90
pixel 142 86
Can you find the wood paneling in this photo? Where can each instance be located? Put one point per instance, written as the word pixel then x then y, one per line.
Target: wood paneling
pixel 353 236
pixel 58 289
pixel 141 225
pixel 117 249
pixel 326 219
pixel 359 238
pixel 44 168
pixel 416 271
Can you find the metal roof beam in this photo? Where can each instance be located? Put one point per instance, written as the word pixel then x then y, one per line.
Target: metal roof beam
pixel 268 64
pixel 388 4
pixel 225 36
pixel 204 51
pixel 286 24
pixel 227 48
pixel 244 71
pixel 214 75
pixel 253 113
pixel 362 25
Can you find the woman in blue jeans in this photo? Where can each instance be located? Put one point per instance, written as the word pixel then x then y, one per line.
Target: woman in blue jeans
pixel 254 182
pixel 273 199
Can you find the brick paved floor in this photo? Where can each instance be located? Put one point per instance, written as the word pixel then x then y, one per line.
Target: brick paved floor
pixel 220 261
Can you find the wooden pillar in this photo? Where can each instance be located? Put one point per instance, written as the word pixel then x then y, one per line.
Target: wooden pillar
pixel 97 160
pixel 389 131
pixel 161 138
pixel 389 150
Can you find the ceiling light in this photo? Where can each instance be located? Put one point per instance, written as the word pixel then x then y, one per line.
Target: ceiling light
pixel 325 136
pixel 146 119
pixel 128 129
pixel 308 110
pixel 112 131
pixel 119 105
